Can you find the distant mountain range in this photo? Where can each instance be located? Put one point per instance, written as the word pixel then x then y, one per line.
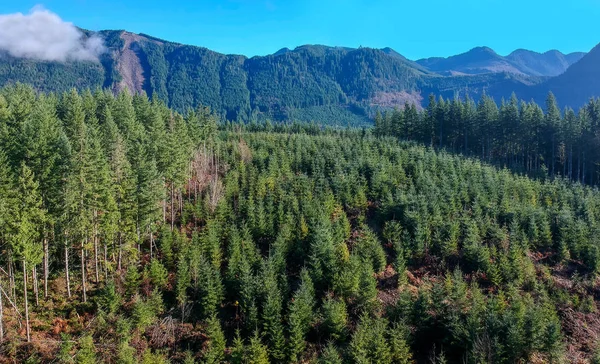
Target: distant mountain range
pixel 484 60
pixel 312 82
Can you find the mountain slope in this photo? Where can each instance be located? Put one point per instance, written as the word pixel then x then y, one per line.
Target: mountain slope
pixel 271 86
pixel 332 84
pixel 551 63
pixel 577 84
pixel 476 61
pixel 484 60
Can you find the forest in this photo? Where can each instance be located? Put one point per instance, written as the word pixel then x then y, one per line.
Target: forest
pixel 131 233
pixel 518 135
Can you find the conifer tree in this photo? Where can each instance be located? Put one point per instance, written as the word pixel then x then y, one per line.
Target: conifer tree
pixel 215 351
pixel 271 313
pixel 46 150
pixel 256 351
pixel 300 316
pixel 335 318
pixel 330 355
pixel 27 219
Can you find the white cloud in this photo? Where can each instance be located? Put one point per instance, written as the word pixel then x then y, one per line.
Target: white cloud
pixel 43 35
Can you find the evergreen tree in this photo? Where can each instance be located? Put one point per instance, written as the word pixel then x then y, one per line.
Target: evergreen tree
pixel 215 351
pixel 28 216
pixel 300 316
pixel 272 320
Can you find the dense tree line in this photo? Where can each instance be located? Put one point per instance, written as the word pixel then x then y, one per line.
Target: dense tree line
pixel 519 135
pixel 132 233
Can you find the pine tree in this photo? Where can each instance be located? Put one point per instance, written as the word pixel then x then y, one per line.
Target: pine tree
pixel 322 258
pixel 215 349
pixel 238 349
pixel 77 216
pixel 552 121
pixel 256 351
pixel 368 344
pixel 46 150
pixel 399 347
pixel 335 319
pixel 300 316
pixel 87 352
pixel 210 287
pixel 271 313
pixel 330 355
pixel 26 238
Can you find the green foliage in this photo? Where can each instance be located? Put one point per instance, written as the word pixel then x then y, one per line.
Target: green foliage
pixel 369 344
pixel 65 353
pixel 158 274
pixel 146 310
pixel 284 232
pixel 215 349
pixel 300 316
pixel 272 311
pixel 330 355
pixel 253 353
pixel 132 280
pixel 256 352
pixel 126 354
pixel 86 354
pixel 370 250
pixel 148 357
pixel 335 319
pixel 108 299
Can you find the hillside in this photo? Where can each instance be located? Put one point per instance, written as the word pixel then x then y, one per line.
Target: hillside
pixel 476 61
pixel 130 234
pixel 484 60
pixel 332 85
pixel 551 63
pixel 577 84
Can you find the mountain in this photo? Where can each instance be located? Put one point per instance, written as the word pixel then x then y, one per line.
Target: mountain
pixel 476 61
pixel 484 60
pixel 576 85
pixel 311 82
pixel 551 63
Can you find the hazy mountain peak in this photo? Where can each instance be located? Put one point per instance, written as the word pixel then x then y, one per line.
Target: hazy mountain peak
pixel 282 51
pixel 482 49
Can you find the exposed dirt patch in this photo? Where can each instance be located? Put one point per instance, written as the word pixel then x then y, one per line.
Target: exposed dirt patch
pixel 129 65
pixel 397 99
pixel 582 331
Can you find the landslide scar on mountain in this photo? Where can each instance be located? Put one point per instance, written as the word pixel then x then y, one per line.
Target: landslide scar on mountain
pixel 129 65
pixel 397 99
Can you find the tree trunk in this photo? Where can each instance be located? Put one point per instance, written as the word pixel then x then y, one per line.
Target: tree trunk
pixel 67 269
pixel 120 252
pixel 11 279
pixel 151 244
pixel 139 238
pixel 83 287
pixel 105 262
pixel 26 306
pixel 96 270
pixel 164 204
pixel 1 315
pixel 35 285
pixel 172 206
pixel 180 202
pixel 46 266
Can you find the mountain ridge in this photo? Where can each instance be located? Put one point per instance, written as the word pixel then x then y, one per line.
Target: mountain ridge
pixel 340 85
pixel 483 59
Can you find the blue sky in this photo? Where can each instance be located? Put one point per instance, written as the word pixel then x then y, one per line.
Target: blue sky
pixel 415 29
